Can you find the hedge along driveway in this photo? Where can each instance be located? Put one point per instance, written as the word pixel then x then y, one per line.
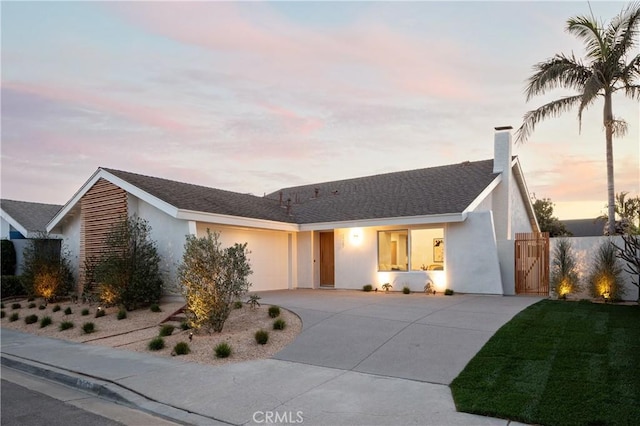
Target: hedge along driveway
pixel 558 363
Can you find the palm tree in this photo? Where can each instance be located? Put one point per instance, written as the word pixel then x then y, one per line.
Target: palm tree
pixel 603 72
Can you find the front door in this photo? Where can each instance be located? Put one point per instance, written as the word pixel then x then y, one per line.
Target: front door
pixel 327 267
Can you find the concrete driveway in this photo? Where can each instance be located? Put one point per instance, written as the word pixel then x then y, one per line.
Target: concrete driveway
pixel 418 337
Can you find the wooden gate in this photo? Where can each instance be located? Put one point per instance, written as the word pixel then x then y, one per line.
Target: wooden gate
pixel 532 263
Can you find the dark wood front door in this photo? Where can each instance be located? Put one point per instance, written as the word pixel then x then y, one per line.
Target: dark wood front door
pixel 327 266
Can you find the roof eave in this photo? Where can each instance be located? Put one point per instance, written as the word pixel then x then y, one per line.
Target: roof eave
pixel 248 222
pixel 385 221
pixel 17 225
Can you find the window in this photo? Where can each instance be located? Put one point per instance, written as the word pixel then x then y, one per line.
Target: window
pixel 393 250
pixel 415 250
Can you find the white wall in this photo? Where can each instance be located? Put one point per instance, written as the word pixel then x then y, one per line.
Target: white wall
pixel 584 249
pixel 71 242
pixel 519 218
pixel 471 255
pixel 5 228
pixel 305 263
pixel 356 258
pixel 269 256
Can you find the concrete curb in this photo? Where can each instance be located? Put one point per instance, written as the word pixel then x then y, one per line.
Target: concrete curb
pixel 107 390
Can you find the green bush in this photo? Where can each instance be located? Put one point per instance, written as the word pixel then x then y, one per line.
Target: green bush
pixel 7 259
pixel 56 308
pixel 184 325
pixel 31 305
pixel 68 310
pixel 156 344
pixel 223 350
pixel 45 322
pixel 47 271
pixel 100 313
pixel 65 325
pixel 181 348
pixel 155 307
pixel 262 337
pixel 122 314
pixel 16 306
pixel 12 285
pixel 448 292
pixel 42 307
pixel 604 277
pixel 129 273
pixel 31 299
pixel 274 311
pixel 2 314
pixel 14 317
pixel 31 319
pixel 367 287
pixel 279 324
pixel 237 304
pixel 166 330
pixel 564 271
pixel 88 327
pixel 84 312
pixel 406 290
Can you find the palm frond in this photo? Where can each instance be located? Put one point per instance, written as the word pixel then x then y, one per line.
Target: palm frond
pixel 631 71
pixel 590 91
pixel 558 72
pixel 551 109
pixel 587 29
pixel 622 33
pixel 632 91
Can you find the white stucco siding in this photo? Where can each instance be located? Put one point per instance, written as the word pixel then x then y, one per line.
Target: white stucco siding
pixel 471 255
pixel 71 242
pixel 485 205
pixel 305 261
pixel 356 258
pixel 169 234
pixel 269 257
pixel 519 218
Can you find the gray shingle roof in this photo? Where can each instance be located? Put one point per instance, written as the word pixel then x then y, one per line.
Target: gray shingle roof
pixel 430 191
pixel 421 192
pixel 585 227
pixel 203 199
pixel 33 216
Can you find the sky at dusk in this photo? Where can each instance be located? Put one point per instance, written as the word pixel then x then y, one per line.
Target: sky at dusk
pixel 255 96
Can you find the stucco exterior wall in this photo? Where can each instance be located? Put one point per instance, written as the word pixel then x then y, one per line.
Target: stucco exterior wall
pixel 305 263
pixel 71 243
pixel 471 255
pixel 519 218
pixel 356 258
pixel 584 250
pixel 269 256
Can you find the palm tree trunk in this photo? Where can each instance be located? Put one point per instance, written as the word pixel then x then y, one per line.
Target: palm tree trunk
pixel 608 126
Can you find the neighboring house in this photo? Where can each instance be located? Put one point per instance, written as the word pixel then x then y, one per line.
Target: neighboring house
pixel 21 221
pixel 585 227
pixel 453 225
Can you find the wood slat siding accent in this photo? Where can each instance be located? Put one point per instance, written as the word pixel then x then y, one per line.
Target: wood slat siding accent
pixel 102 206
pixel 532 263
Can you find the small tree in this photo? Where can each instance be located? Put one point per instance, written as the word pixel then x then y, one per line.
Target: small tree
pixel 543 210
pixel 47 272
pixel 564 273
pixel 212 278
pixel 128 272
pixel 604 278
pixel 631 254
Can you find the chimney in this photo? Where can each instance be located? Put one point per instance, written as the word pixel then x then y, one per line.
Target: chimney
pixel 502 195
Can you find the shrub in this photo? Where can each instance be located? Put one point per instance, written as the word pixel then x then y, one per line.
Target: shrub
pixel 448 292
pixel 262 337
pixel 42 307
pixel 156 344
pixel 274 311
pixel 88 327
pixel 184 325
pixel 406 290
pixel 31 299
pixel 212 279
pixel 167 330
pixel 16 306
pixel 181 348
pixel 11 285
pixel 122 314
pixel 45 322
pixel 100 313
pixel 129 271
pixel 604 278
pixel 564 272
pixel 2 314
pixel 237 304
pixel 84 312
pixel 30 319
pixel 223 350
pixel 386 287
pixel 47 272
pixel 253 301
pixel 14 317
pixel 367 287
pixel 65 325
pixel 31 305
pixel 7 259
pixel 56 308
pixel 279 324
pixel 68 310
pixel 155 307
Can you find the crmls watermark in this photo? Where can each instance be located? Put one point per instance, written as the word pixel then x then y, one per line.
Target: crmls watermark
pixel 276 417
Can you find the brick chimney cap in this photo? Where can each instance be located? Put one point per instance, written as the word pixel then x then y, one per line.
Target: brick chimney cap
pixel 503 128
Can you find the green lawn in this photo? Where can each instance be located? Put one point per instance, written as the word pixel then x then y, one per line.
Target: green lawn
pixel 558 363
